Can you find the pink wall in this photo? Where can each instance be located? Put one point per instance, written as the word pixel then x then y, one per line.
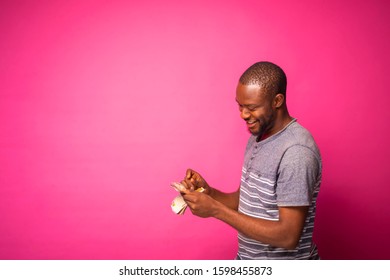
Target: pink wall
pixel 103 104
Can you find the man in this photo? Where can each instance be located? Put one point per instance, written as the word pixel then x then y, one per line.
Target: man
pixel 273 210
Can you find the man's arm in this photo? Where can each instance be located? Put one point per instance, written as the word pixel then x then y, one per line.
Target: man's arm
pixel 284 233
pixel 194 180
pixel 230 200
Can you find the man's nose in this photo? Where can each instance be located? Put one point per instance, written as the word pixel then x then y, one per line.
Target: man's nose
pixel 244 114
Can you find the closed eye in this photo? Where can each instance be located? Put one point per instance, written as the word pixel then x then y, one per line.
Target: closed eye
pixel 252 108
pixel 249 108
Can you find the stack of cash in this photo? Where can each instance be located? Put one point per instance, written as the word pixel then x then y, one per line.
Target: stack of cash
pixel 178 205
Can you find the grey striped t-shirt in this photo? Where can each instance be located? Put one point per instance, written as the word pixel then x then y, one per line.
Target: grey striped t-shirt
pixel 282 170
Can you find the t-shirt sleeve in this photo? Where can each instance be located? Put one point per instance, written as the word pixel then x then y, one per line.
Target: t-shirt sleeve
pixel 298 176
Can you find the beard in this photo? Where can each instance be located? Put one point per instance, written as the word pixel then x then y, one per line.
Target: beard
pixel 265 123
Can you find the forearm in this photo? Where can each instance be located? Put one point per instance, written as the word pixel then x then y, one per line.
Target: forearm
pixel 282 233
pixel 193 181
pixel 230 200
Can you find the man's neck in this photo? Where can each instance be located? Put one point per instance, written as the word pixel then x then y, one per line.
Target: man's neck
pixel 282 120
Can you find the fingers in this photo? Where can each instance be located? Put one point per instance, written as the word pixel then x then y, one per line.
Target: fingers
pixel 191 179
pixel 189 174
pixel 191 197
pixel 199 204
pixel 188 184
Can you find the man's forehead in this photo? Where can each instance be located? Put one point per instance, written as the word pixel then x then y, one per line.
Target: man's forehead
pixel 249 93
pixel 250 86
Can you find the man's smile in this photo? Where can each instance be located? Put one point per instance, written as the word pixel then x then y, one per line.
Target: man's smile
pixel 251 124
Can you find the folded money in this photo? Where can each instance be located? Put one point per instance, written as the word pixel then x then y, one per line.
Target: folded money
pixel 178 186
pixel 178 205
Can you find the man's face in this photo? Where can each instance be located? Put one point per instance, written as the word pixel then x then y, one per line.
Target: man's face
pixel 255 109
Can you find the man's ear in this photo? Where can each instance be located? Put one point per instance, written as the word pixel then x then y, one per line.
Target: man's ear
pixel 278 100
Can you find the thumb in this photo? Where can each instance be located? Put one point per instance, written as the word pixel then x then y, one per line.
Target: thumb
pixel 189 174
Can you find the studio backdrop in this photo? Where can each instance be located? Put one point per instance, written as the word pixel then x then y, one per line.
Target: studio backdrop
pixel 104 103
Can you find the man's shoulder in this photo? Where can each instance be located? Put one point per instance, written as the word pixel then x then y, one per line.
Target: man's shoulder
pixel 298 131
pixel 298 135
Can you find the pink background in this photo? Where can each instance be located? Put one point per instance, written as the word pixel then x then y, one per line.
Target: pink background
pixel 104 103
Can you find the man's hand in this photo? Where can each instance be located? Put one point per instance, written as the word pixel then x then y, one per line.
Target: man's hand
pixel 201 204
pixel 193 180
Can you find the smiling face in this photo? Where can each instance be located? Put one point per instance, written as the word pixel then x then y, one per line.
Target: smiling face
pixel 256 109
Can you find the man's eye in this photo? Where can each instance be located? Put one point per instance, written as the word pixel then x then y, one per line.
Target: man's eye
pixel 252 108
pixel 248 108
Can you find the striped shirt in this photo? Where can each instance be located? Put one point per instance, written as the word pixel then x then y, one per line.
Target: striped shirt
pixel 282 170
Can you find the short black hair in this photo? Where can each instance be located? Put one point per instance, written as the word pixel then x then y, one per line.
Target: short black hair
pixel 267 75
